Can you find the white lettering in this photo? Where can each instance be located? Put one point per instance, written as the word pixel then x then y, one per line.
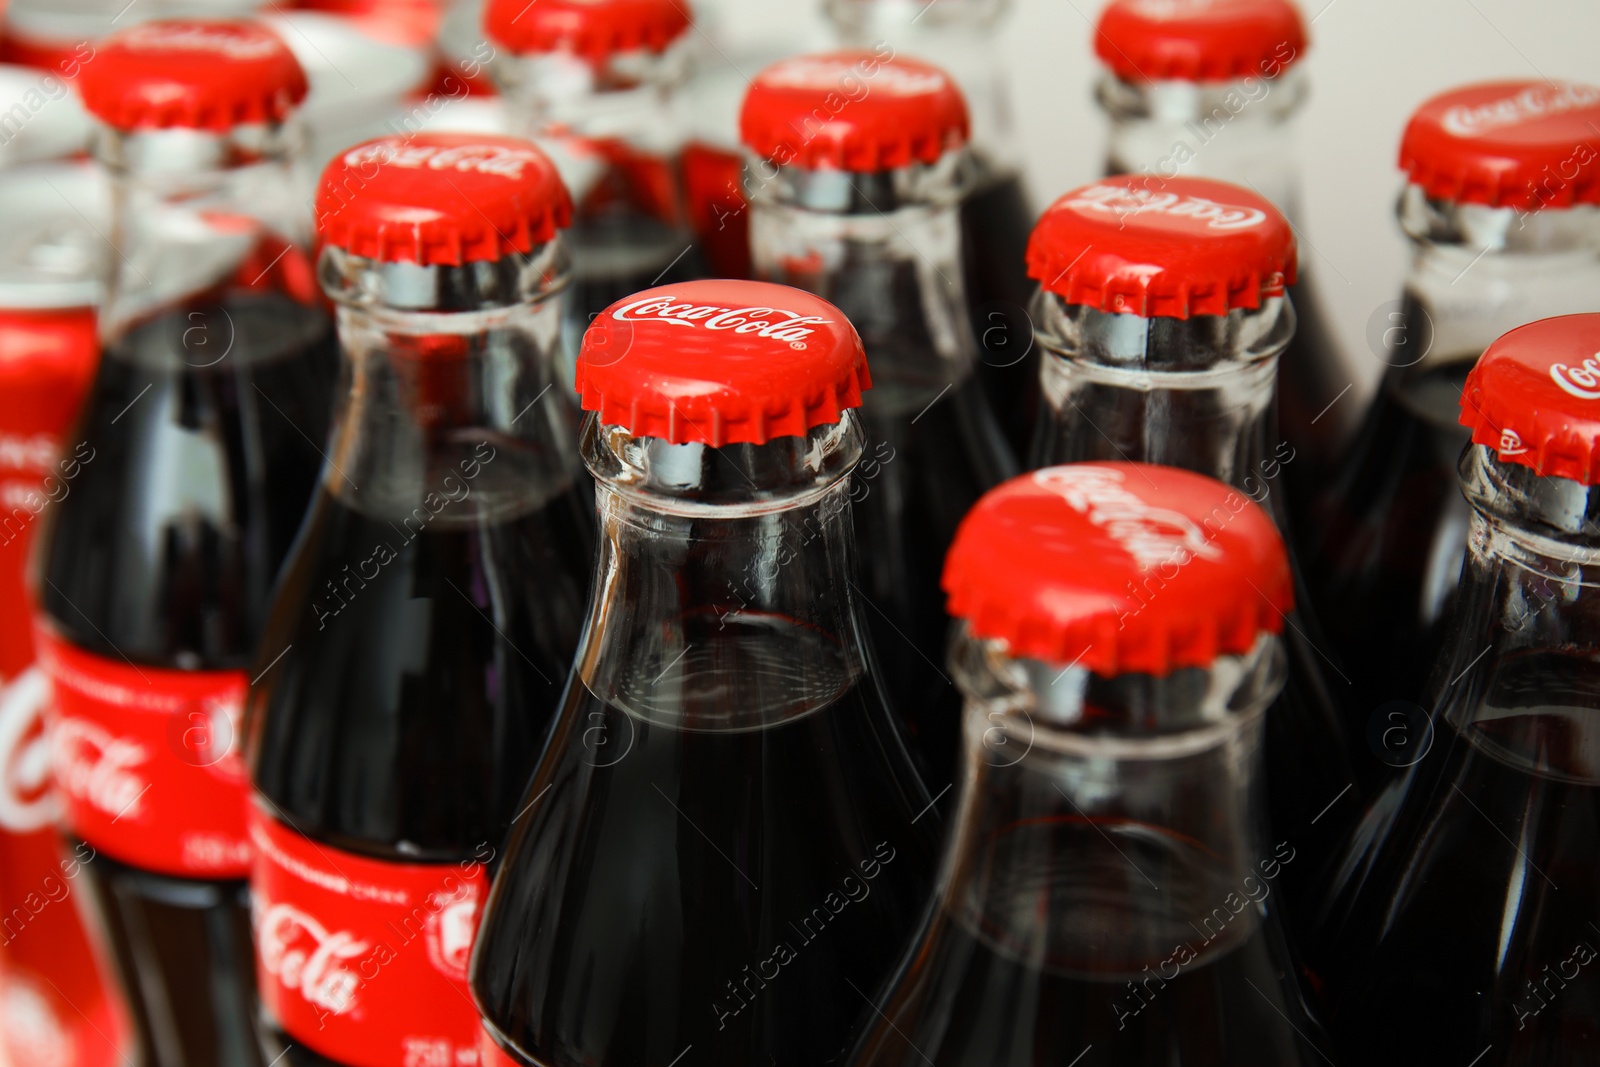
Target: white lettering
pixel 1534 102
pixel 98 768
pixel 306 958
pixel 1582 381
pixel 1151 535
pixel 1115 200
pixel 774 323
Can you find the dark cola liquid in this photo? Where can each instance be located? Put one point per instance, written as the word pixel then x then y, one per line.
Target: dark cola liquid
pixel 1390 533
pixel 1075 959
pixel 1313 416
pixel 928 459
pixel 680 880
pixel 203 422
pixel 407 718
pixel 1474 933
pixel 618 253
pixel 996 221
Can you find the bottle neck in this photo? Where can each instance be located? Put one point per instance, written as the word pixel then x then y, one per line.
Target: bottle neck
pixel 1477 272
pixel 196 214
pixel 1195 393
pixel 885 248
pixel 1520 681
pixel 449 371
pixel 1107 825
pixel 625 99
pixel 960 37
pixel 1236 131
pixel 724 596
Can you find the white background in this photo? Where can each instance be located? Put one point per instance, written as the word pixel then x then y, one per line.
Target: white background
pixel 1370 62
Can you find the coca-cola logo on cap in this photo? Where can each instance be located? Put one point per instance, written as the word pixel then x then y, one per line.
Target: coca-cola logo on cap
pixel 494 160
pixel 1582 381
pixel 236 43
pixel 1527 105
pixel 769 322
pixel 1120 202
pixel 819 73
pixel 1152 535
pixel 26 800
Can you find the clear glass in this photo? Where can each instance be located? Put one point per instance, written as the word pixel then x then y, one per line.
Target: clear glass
pixel 1107 884
pixel 726 795
pixel 1390 532
pixel 422 630
pixel 1197 393
pixel 885 249
pixel 208 417
pixel 1469 889
pixel 615 123
pixel 1240 131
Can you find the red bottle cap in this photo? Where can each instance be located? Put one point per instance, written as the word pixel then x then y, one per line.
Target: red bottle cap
pixel 1522 144
pixel 441 199
pixel 721 363
pixel 594 29
pixel 1162 248
pixel 1199 40
pixel 1534 397
pixel 192 74
pixel 852 111
pixel 1120 568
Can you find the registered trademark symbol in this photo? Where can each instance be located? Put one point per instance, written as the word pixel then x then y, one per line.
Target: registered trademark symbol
pixel 798 346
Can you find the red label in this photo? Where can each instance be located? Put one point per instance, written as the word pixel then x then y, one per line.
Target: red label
pixel 146 761
pixel 365 962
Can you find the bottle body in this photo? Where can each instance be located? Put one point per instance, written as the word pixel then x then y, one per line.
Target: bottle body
pixel 1197 394
pixel 207 416
pixel 56 1001
pixel 412 664
pixel 996 211
pixel 1391 530
pixel 1105 887
pixel 725 805
pixel 934 447
pixel 1466 886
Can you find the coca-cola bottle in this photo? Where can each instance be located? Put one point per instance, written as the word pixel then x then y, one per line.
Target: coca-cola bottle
pixel 1211 88
pixel 1161 318
pixel 962 38
pixel 855 195
pixel 725 844
pixel 57 1006
pixel 1107 896
pixel 597 79
pixel 1499 204
pixel 206 419
pixel 424 625
pixel 1461 929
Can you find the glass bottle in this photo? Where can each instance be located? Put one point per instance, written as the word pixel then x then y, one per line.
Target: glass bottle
pixel 1460 926
pixel 1107 896
pixel 1500 206
pixel 596 80
pixel 725 844
pixel 1161 318
pixel 57 1004
pixel 206 418
pixel 424 624
pixel 962 38
pixel 1213 90
pixel 855 190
